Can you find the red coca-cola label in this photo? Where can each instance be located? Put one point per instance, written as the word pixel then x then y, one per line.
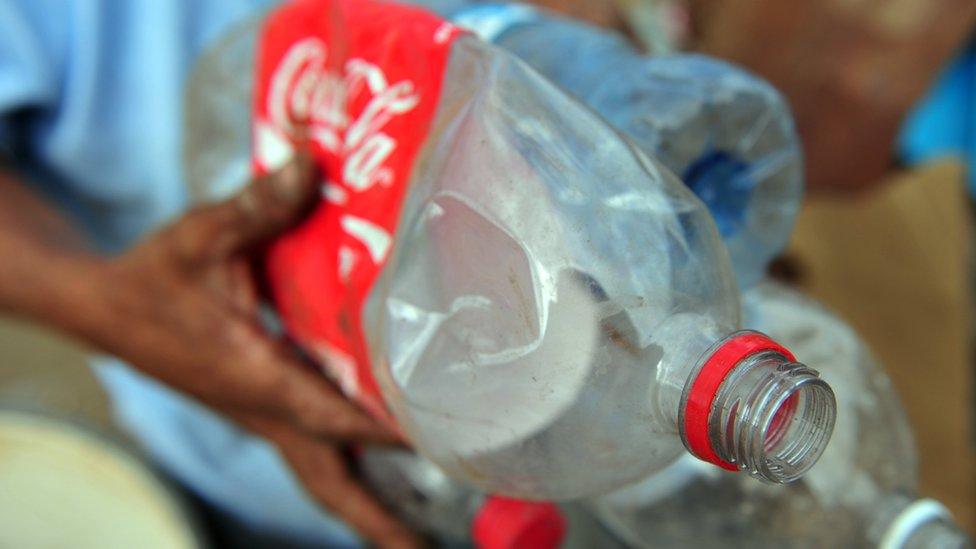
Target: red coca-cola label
pixel 357 84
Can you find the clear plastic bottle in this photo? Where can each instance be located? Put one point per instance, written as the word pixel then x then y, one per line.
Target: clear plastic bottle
pixel 860 494
pixel 554 314
pixel 454 514
pixel 726 133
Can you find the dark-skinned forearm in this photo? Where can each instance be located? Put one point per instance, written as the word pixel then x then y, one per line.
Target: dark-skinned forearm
pixel 47 272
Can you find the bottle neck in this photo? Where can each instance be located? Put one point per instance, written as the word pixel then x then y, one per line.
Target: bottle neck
pixel 938 533
pixel 749 406
pixel 917 524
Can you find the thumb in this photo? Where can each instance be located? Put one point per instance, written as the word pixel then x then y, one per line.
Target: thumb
pixel 265 207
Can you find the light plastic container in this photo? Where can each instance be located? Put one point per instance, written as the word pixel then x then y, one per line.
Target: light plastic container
pixel 860 494
pixel 66 484
pixel 727 134
pixel 555 315
pixel 554 296
pixel 451 514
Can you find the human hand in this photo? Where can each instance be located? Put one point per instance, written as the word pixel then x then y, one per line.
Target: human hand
pixel 182 307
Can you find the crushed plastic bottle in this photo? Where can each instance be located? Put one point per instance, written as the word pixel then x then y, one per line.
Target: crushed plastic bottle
pixel 726 133
pixel 492 264
pixel 860 494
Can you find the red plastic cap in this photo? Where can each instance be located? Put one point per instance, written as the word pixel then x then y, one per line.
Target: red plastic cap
pixel 706 385
pixel 505 523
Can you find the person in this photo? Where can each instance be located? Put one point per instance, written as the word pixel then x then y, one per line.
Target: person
pixel 851 74
pixel 943 123
pixel 97 240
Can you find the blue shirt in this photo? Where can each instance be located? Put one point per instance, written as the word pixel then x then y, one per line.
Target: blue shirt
pixel 91 111
pixel 943 123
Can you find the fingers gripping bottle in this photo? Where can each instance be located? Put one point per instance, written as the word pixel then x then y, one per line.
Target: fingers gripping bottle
pixel 860 494
pixel 726 133
pixel 543 310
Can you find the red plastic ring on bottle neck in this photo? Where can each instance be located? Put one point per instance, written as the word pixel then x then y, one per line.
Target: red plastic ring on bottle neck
pixel 705 387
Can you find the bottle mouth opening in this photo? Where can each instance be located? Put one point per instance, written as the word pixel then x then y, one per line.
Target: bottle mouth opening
pixel 751 407
pixel 794 429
